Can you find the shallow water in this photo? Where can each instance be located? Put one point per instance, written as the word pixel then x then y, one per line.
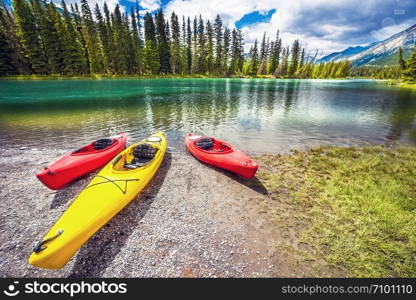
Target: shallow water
pixel 258 115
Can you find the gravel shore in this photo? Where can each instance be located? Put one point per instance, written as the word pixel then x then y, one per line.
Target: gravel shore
pixel 191 221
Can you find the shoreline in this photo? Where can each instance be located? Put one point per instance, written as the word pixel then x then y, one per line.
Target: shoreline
pixel 109 77
pixel 280 224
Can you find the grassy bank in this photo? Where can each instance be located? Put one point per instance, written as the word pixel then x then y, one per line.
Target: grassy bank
pixel 402 84
pixel 355 208
pixel 408 85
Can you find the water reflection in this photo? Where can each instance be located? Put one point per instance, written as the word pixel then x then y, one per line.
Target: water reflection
pixel 257 115
pixel 403 118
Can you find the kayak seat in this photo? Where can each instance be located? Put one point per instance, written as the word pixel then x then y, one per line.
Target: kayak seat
pixel 142 155
pixel 103 143
pixel 205 143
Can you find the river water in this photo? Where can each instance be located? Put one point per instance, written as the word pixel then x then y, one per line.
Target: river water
pixel 257 115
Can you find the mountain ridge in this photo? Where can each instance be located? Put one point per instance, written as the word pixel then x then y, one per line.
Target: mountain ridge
pixel 378 53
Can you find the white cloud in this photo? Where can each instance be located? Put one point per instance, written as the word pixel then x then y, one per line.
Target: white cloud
pixel 149 5
pixel 388 31
pixel 230 11
pixel 330 25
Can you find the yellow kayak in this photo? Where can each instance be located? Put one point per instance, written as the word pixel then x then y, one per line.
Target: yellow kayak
pixel 117 184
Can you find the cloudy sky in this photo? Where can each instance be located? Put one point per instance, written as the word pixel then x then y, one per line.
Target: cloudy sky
pixel 330 25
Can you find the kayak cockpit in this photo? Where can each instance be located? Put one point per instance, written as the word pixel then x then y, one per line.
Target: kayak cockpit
pixel 143 154
pixel 98 145
pixel 139 156
pixel 212 145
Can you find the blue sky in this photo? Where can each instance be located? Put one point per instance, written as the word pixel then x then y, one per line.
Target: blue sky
pixel 330 25
pixel 254 18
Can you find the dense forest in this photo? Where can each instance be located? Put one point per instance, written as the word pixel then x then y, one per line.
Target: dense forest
pixel 37 37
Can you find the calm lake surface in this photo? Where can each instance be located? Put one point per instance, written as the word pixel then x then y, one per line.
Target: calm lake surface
pixel 258 115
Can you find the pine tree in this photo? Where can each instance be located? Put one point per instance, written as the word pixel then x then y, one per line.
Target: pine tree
pixel 226 51
pixel 104 38
pixel 74 60
pixel 234 51
pixel 141 44
pixel 136 43
pixel 162 43
pixel 51 31
pixel 54 48
pixel 91 39
pixel 151 60
pixel 183 49
pixel 241 49
pixel 402 62
pixel 263 56
pixel 302 58
pixel 79 27
pixel 254 59
pixel 202 58
pixel 109 50
pixel 121 45
pixel 210 48
pixel 149 28
pixel 283 66
pixel 275 54
pixel 8 63
pixel 195 51
pixel 410 71
pixel 10 30
pixel 27 31
pixel 294 59
pixel 130 50
pixel 218 44
pixel 175 45
pixel 189 45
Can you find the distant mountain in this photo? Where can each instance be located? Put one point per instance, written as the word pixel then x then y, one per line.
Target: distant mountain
pixel 379 53
pixel 337 56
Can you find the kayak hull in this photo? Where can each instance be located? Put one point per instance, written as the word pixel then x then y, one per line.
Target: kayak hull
pixel 79 163
pixel 230 159
pixel 108 192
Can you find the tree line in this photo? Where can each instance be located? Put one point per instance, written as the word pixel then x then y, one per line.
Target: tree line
pixel 37 37
pixel 404 69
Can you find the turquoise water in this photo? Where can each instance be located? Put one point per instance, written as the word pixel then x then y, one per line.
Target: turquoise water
pixel 258 115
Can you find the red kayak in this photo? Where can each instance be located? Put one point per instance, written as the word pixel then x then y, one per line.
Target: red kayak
pixel 221 154
pixel 81 162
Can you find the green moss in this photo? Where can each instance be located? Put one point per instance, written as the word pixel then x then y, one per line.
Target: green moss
pixel 360 204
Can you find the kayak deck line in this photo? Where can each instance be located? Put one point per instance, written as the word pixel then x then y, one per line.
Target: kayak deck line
pixel 109 180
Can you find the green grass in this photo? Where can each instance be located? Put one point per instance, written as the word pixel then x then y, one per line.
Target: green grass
pixel 402 83
pixel 359 205
pixel 408 85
